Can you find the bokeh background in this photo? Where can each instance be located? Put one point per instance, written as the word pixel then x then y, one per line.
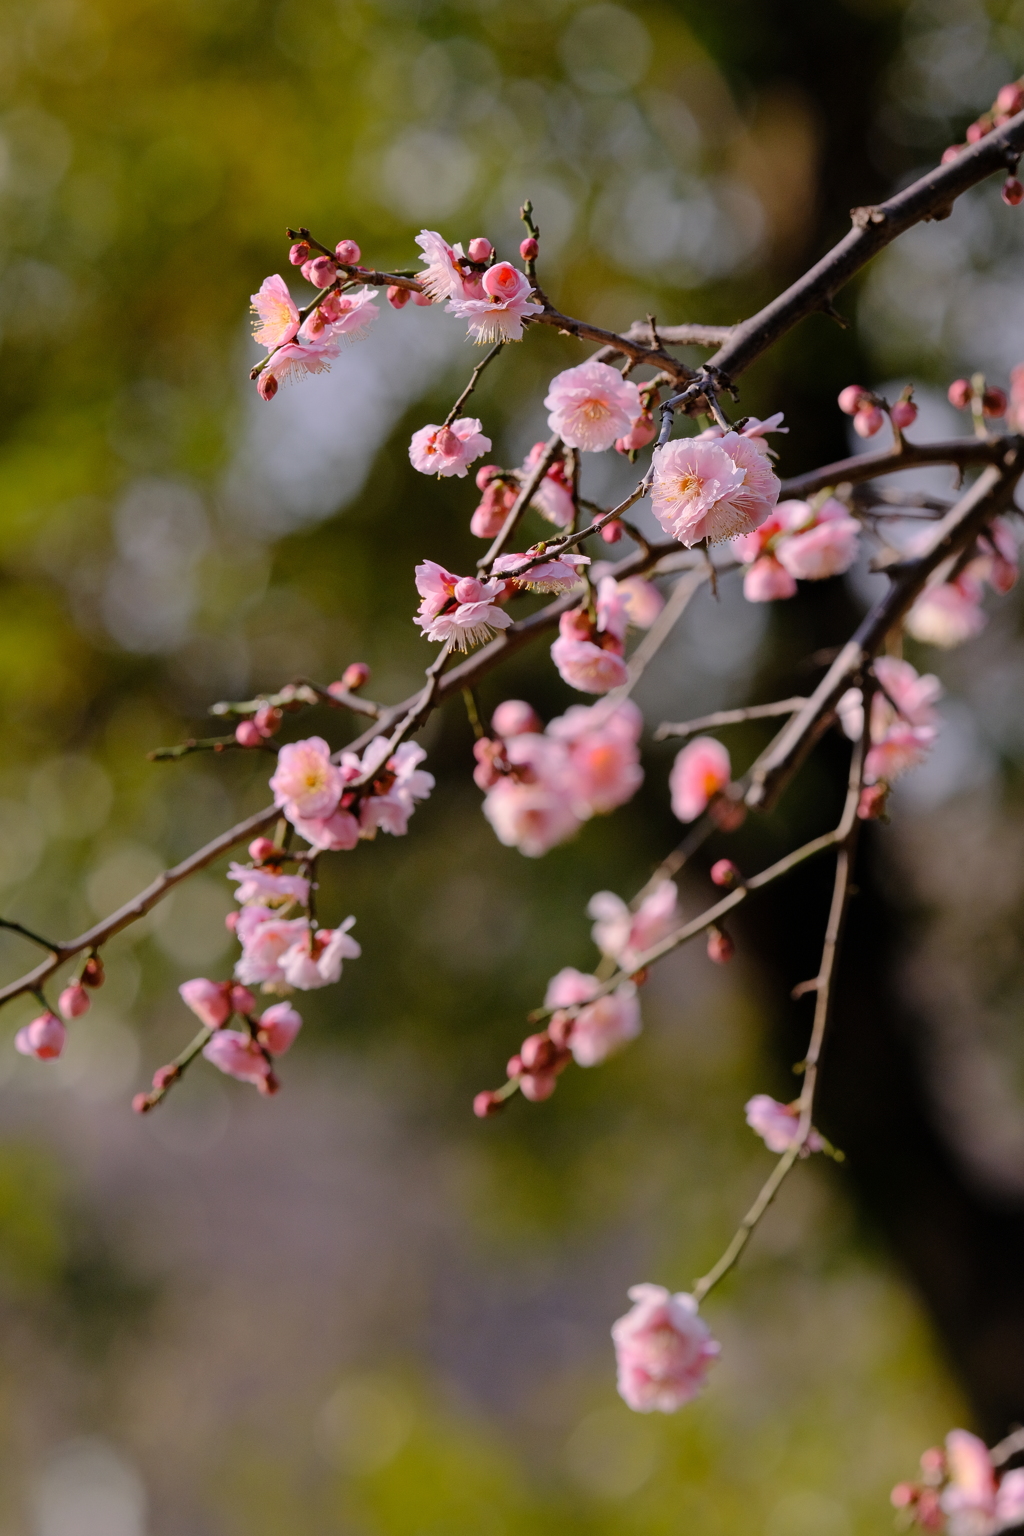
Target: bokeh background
pixel 354 1310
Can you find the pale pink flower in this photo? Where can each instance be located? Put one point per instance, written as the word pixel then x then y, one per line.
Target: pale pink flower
pixel 642 432
pixel 974 1503
pixel 766 581
pixel 210 1001
pixel 238 1055
pixel 568 987
pixel 914 695
pixel 295 359
pixel 448 450
pixel 553 497
pixel 663 1348
pixel 701 770
pixel 557 575
pixel 626 935
pixel 531 817
pixel 443 277
pixel 948 614
pixel 903 747
pixel 316 959
pixel 306 783
pixel 591 405
pixel 604 1026
pixel 499 315
pixel 44 1038
pixel 267 885
pixel 265 938
pixel 457 608
pixel 604 763
pixel 277 312
pixel 390 809
pixel 828 548
pixel 586 666
pixel 776 1124
pixel 341 316
pixel 338 832
pixel 277 1028
pixel 711 489
pixel 491 511
pixel 74 1001
pixel 787 517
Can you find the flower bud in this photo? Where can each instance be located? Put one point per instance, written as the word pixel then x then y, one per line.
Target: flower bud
pixel 516 718
pixel 537 1053
pixel 164 1076
pixel 268 1085
pixel 1013 191
pixel 720 947
pixel 348 252
pixel 903 1495
pixel 231 921
pixel 975 132
pixel 74 1001
pixel 612 532
pixel 994 402
pixel 92 972
pixel 514 1066
pixel 486 1104
pixel 266 385
pixel 538 1086
pixel 322 272
pixel 903 414
pixel 488 755
pixel 950 154
pixel 1010 99
pixel 480 249
pixel 261 849
pixel 242 1000
pixel 528 248
pixel 142 1103
pixel 398 297
pixel 933 1461
pixel 43 1038
pixel 724 872
pixel 871 805
pixel 850 399
pixel 560 1028
pixel 267 719
pixel 248 734
pixel 355 676
pixel 960 394
pixel 422 299
pixel 299 253
pixel 867 422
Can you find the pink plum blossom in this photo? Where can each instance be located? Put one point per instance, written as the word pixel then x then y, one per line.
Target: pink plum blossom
pixel 766 581
pixel 494 506
pixel 642 601
pixel 948 614
pixel 315 960
pixel 531 817
pixel 459 609
pixel 555 575
pixel 265 938
pixel 443 278
pixel 626 935
pixel 448 450
pixel 701 770
pixel 499 314
pixel 827 546
pixel 973 1502
pixel 293 360
pixel 306 783
pixel 74 1001
pixel 592 405
pixel 642 432
pixel 553 497
pixel 390 807
pixel 569 987
pixel 210 1001
pixel 277 312
pixel 711 489
pixel 277 1028
pixel 588 654
pixel 776 1124
pixel 664 1350
pixel 337 833
pixel 342 316
pixel 239 1056
pixel 603 762
pixel 268 885
pixel 601 1026
pixel 44 1038
pixel 904 722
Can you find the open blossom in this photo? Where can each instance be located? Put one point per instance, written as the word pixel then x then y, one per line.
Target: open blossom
pixel 443 278
pixel 600 1027
pixel 588 653
pixel 265 938
pixel 827 547
pixel 338 832
pixel 315 960
pixel 776 1124
pixel 499 314
pixel 277 1027
pixel 948 614
pixel 460 609
pixel 239 1056
pixel 210 1001
pixel 390 806
pixel 701 770
pixel 603 758
pixel 531 807
pixel 711 489
pixel 642 601
pixel 592 405
pixel 904 721
pixel 553 497
pixel 277 312
pixel 626 935
pixel 973 1502
pixel 557 575
pixel 267 885
pixel 44 1038
pixel 306 783
pixel 342 316
pixel 293 360
pixel 664 1350
pixel 448 450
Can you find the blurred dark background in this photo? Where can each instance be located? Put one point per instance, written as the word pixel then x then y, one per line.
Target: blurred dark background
pixel 355 1309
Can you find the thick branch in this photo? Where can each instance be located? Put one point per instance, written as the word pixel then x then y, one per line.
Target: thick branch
pixel 865 466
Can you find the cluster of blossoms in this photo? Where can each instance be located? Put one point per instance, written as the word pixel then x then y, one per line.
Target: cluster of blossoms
pixel 800 541
pixel 296 346
pixel 493 297
pixel 904 722
pixel 334 805
pixel 959 1491
pixel 45 1036
pixel 870 410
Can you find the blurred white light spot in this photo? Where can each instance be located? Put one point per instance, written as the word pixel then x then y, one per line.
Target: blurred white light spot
pixel 807 1514
pixel 88 1489
pixel 72 795
pixel 427 175
pixel 365 1423
pixel 605 49
pixel 611 1454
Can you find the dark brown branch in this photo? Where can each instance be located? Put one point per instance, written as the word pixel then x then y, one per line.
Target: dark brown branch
pixel 865 466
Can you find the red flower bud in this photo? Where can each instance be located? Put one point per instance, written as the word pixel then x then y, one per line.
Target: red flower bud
pixel 724 872
pixel 538 1086
pixel 528 248
pixel 231 921
pixel 242 1000
pixel 868 421
pixel 1013 191
pixel 960 394
pixel 321 272
pixel 537 1053
pixel 298 253
pixel 720 947
pixel 267 719
pixel 486 1104
pixel 904 414
pixel 248 734
pixel 994 402
pixel 612 532
pixel 142 1103
pixel 92 972
pixel 904 1494
pixel 398 297
pixel 348 252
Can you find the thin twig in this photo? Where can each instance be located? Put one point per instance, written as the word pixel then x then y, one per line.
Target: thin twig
pixel 728 717
pixel 528 490
pixel 456 409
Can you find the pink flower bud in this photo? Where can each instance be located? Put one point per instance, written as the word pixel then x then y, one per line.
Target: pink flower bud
pixel 480 249
pixel 538 1086
pixel 537 1053
pixel 975 132
pixel 485 474
pixel 278 1028
pixel 720 947
pixel 231 921
pixel 267 719
pixel 612 532
pixel 208 1000
pixel 422 299
pixel 248 734
pixel 960 394
pixel 261 848
pixel 348 252
pixel 268 1085
pixel 74 1001
pixel 321 272
pixel 164 1076
pixel 903 1495
pixel 514 1066
pixel 871 805
pixel 398 297
pixel 867 422
pixel 724 872
pixel 242 1000
pixel 1010 99
pixel 994 402
pixel 950 154
pixel 850 399
pixel 142 1103
pixel 933 1461
pixel 1013 191
pixel 486 1104
pixel 355 675
pixel 298 253
pixel 516 718
pixel 92 972
pixel 488 754
pixel 904 414
pixel 44 1038
pixel 528 248
pixel 266 385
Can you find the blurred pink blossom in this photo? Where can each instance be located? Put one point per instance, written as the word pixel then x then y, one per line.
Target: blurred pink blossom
pixel 776 1124
pixel 43 1038
pixel 74 1001
pixel 265 938
pixel 626 935
pixel 277 1028
pixel 592 405
pixel 600 1027
pixel 664 1350
pixel 553 497
pixel 267 885
pixel 210 1001
pixel 973 1502
pixel 315 960
pixel 239 1056
pixel 766 581
pixel 699 772
pixel 277 312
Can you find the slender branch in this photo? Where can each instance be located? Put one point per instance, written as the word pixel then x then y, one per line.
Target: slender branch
pixel 456 409
pixel 624 345
pixel 728 717
pixel 302 691
pixel 530 486
pixel 174 1070
pixel 865 466
pixel 205 744
pixel 678 601
pixel 27 933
